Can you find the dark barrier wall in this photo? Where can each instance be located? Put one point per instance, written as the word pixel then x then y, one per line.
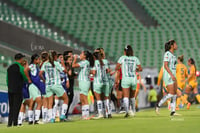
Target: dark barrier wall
pixel 29 41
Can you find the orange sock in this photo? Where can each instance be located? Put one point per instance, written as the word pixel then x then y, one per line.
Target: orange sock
pixel 178 101
pixel 185 97
pixel 198 97
pixel 182 100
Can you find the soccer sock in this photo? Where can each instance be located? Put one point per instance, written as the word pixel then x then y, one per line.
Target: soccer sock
pixel 126 104
pixel 105 108
pixel 55 107
pixel 133 104
pixel 185 97
pixel 178 101
pixel 99 107
pixel 164 99
pixel 30 115
pixel 37 115
pixel 197 97
pixel 61 102
pixel 121 103
pixel 44 114
pixel 86 110
pixel 108 107
pixel 136 104
pixel 50 114
pixel 173 103
pixel 64 109
pixel 20 117
pixel 182 100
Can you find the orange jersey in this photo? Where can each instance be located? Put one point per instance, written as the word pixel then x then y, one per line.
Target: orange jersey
pixel 192 72
pixel 181 72
pixel 138 81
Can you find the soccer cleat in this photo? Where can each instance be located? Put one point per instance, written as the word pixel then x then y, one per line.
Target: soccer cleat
pixel 38 122
pixel 85 118
pixel 30 122
pixel 131 113
pixel 98 117
pixel 19 125
pixel 109 116
pixel 157 109
pixel 122 110
pixel 177 108
pixel 174 114
pixel 188 105
pixel 62 118
pixel 52 120
pixel 126 115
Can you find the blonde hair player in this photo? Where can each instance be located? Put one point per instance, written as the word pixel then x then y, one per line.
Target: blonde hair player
pixel 192 82
pixel 181 74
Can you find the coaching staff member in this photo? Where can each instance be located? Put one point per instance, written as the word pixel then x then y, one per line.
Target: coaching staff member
pixel 15 80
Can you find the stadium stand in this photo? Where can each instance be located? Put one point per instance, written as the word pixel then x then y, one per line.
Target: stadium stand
pixel 111 25
pixel 12 16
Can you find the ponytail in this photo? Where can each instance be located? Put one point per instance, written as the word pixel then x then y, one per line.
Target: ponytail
pixel 98 56
pixel 89 57
pixel 33 57
pixel 181 58
pixel 168 45
pixel 44 56
pixel 129 51
pixel 193 63
pixel 52 55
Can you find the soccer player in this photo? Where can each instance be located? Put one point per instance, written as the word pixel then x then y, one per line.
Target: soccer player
pixel 65 85
pixel 192 82
pixel 44 58
pixel 130 64
pixel 107 83
pixel 32 73
pixel 139 82
pixel 181 74
pixel 98 85
pixel 169 76
pixel 87 61
pixel 52 71
pixel 118 79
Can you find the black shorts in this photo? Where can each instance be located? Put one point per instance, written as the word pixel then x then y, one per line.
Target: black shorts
pixel 120 85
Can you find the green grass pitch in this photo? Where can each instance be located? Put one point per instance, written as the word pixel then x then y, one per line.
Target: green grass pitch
pixel 145 121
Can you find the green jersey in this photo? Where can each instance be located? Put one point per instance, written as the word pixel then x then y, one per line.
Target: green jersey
pixel 85 70
pixel 98 74
pixel 105 76
pixel 52 74
pixel 128 65
pixel 171 59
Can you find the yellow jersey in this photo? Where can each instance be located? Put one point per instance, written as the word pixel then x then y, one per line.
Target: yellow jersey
pixel 181 72
pixel 160 76
pixel 192 72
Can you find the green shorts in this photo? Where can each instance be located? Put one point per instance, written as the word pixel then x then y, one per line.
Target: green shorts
pixel 84 87
pixel 168 80
pixel 106 89
pixel 102 88
pixel 128 82
pixel 34 92
pixel 98 88
pixel 55 89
